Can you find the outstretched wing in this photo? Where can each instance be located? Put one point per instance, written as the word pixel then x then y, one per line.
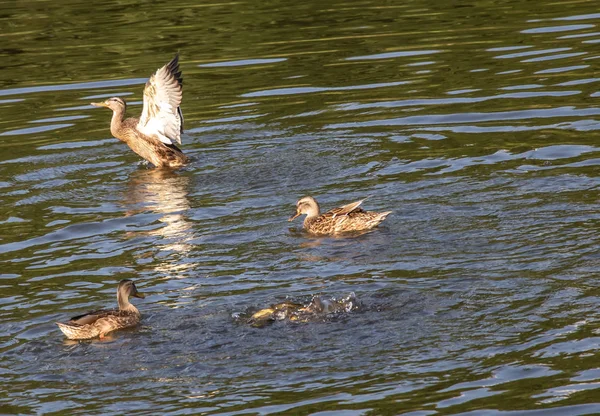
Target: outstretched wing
pixel 346 209
pixel 161 115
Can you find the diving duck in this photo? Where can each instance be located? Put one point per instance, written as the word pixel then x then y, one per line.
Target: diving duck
pixel 154 133
pixel 101 322
pixel 343 219
pixel 318 307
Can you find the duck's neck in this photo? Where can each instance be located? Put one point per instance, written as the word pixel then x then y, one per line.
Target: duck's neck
pixel 313 211
pixel 116 123
pixel 125 305
pixel 311 215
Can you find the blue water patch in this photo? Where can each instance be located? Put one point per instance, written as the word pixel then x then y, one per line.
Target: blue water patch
pixel 508 48
pixel 307 90
pixel 242 62
pixel 14 100
pixel 471 117
pixel 578 82
pixel 32 130
pixel 96 96
pixel 77 86
pixel 563 69
pixel 531 53
pixel 552 29
pixel 580 17
pixel 76 145
pixel 398 54
pixel 55 119
pixel 579 35
pixel 554 57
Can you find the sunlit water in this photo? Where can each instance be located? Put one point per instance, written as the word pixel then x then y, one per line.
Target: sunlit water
pixel 476 123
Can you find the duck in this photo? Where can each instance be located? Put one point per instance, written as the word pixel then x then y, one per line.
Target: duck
pixel 153 135
pixel 346 218
pixel 101 322
pixel 318 307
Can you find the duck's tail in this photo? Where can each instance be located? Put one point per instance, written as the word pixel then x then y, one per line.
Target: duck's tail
pixel 381 216
pixel 77 331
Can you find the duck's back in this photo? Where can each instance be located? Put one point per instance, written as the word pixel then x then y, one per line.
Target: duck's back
pixel 333 222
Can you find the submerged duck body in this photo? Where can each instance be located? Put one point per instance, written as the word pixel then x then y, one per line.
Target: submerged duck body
pixel 99 323
pixel 153 135
pixel 318 308
pixel 346 218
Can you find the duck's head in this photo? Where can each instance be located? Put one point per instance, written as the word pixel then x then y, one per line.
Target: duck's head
pixel 127 288
pixel 114 103
pixel 307 205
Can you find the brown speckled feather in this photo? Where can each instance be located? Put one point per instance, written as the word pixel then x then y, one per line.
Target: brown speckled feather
pixel 98 323
pixel 150 148
pixel 345 209
pixel 335 222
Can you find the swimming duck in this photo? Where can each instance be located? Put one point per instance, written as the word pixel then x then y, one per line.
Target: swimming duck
pixel 154 133
pixel 346 218
pixel 101 322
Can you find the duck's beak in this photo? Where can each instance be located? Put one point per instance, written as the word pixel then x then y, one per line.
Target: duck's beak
pixel 102 104
pixel 293 217
pixel 137 294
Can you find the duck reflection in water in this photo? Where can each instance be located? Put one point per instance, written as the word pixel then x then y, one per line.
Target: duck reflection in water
pixel 164 192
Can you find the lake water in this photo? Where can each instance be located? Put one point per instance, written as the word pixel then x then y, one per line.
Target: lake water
pixel 477 123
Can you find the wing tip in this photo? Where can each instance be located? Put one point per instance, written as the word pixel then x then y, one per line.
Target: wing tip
pixel 175 61
pixel 173 68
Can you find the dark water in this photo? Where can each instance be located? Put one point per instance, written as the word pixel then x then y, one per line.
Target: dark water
pixel 476 123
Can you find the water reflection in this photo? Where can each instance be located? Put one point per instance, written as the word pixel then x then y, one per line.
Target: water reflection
pixel 164 192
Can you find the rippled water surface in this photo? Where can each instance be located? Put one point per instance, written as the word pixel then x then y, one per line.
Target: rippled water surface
pixel 476 123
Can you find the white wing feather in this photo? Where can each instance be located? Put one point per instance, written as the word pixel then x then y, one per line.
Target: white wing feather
pixel 161 115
